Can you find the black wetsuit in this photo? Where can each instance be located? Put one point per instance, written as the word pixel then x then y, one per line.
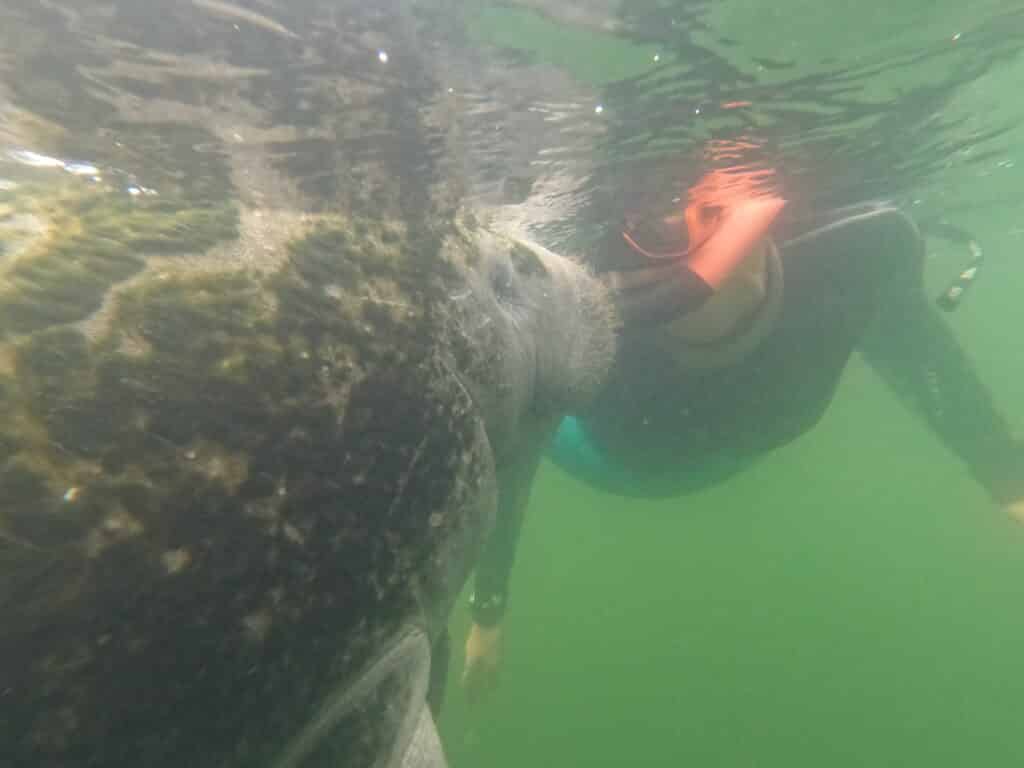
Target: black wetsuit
pixel 852 279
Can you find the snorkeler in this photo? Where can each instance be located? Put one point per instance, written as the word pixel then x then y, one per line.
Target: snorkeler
pixel 739 350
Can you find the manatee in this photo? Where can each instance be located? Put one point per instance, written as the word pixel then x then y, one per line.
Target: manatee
pixel 264 381
pixel 237 501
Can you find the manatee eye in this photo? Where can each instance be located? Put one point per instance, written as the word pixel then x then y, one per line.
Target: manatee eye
pixel 501 281
pixel 526 262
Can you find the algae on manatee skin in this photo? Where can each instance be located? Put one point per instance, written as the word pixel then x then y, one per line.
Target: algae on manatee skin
pixel 261 418
pixel 224 358
pixel 72 240
pixel 160 188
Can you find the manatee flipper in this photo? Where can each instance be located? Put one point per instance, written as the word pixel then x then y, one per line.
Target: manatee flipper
pixel 424 751
pixel 390 692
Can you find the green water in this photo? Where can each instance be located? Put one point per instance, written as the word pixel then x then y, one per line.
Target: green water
pixel 853 600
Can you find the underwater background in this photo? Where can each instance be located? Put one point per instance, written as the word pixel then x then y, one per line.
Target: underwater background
pixel 853 599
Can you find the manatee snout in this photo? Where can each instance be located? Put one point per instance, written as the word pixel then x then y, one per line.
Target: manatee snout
pixel 549 324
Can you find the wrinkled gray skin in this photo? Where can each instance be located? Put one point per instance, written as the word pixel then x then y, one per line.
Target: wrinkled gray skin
pixel 258 422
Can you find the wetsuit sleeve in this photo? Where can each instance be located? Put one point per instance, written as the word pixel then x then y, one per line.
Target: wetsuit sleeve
pixel 490 593
pixel 916 353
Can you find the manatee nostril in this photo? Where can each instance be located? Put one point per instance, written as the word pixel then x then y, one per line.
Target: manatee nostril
pixel 527 262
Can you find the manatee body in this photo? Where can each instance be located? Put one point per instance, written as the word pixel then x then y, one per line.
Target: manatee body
pixel 237 501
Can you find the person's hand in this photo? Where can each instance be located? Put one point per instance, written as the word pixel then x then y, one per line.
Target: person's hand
pixel 483 659
pixel 1016 510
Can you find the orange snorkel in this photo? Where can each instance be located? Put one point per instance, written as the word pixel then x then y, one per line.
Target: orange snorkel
pixel 728 211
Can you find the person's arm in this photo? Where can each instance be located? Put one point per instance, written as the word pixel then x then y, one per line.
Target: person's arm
pixel 913 350
pixel 493 570
pixel 490 594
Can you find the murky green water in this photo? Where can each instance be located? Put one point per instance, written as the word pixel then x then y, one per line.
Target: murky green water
pixel 853 600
